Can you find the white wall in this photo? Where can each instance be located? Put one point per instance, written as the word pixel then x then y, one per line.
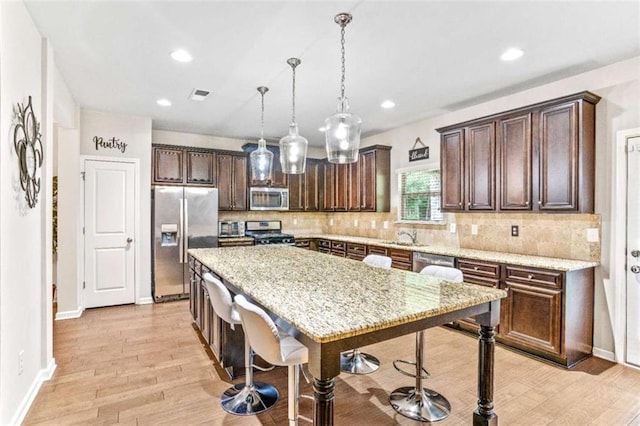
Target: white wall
pixel 24 301
pixel 136 133
pixel 619 87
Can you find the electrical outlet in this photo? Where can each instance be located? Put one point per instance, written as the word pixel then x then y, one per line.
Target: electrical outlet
pixel 474 229
pixel 355 223
pixel 452 228
pixel 330 222
pixel 295 221
pixel 20 362
pixel 385 224
pixel 373 224
pixel 593 235
pixel 515 230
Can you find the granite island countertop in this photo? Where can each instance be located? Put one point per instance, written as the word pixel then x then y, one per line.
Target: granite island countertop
pixel 341 297
pixel 542 262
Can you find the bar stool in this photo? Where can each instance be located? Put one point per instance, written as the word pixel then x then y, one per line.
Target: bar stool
pixel 418 402
pixel 250 397
pixel 354 361
pixel 276 347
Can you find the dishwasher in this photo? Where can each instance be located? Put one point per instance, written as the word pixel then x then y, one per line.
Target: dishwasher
pixel 420 260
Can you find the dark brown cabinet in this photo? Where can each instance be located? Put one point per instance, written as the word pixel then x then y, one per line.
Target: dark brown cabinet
pixel 401 259
pixel 356 251
pixel 232 181
pixel 278 178
pixel 335 189
pixel 183 166
pixel 515 153
pixel 481 273
pixel 545 157
pixel 304 189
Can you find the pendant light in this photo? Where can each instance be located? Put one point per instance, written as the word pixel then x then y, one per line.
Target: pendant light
pixel 293 147
pixel 342 129
pixel 261 159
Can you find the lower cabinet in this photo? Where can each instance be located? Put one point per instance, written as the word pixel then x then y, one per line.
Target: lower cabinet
pixel 401 259
pixel 304 243
pixel 234 242
pixel 356 251
pixel 227 345
pixel 481 273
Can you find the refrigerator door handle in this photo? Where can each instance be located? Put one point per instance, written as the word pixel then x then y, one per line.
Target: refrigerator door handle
pixel 181 237
pixel 186 231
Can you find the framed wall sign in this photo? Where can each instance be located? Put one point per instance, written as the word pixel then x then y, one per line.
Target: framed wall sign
pixel 419 153
pixel 28 146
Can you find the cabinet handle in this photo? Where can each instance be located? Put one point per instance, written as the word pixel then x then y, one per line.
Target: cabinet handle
pixel 526 203
pixel 475 268
pixel 460 204
pixel 540 202
pixel 468 204
pixel 530 276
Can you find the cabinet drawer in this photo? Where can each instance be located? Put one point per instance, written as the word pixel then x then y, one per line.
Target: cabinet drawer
pixel 338 246
pixel 487 282
pixel 402 265
pixel 353 248
pixel 303 243
pixel 324 244
pixel 377 250
pixel 537 277
pixel 479 269
pixel 403 256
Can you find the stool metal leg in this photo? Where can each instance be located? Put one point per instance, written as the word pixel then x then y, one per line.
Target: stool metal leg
pixel 356 362
pixel 294 393
pixel 419 403
pixel 250 397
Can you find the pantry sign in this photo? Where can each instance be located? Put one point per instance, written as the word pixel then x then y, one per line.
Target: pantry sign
pixel 419 153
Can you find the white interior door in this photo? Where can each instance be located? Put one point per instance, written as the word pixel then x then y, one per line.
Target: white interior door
pixel 633 251
pixel 109 214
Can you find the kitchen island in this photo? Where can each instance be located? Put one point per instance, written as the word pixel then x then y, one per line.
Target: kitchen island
pixel 334 304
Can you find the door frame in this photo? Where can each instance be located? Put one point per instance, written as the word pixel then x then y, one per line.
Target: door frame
pixel 618 247
pixel 136 217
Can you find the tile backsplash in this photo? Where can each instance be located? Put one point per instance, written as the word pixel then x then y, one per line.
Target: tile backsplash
pixel 553 235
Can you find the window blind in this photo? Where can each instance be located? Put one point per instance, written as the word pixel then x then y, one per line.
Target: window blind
pixel 420 195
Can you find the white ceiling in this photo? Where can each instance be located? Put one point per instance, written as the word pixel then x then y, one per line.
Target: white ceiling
pixel 430 57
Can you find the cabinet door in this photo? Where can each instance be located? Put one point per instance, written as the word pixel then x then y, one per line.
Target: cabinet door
pixel 224 178
pixel 342 187
pixel 311 186
pixel 531 318
pixel 452 169
pixel 353 186
pixel 200 168
pixel 368 185
pixel 297 191
pixel 239 187
pixel 514 153
pixel 168 165
pixel 558 162
pixel 481 176
pixel 329 186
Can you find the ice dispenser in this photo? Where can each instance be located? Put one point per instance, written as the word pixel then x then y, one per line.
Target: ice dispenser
pixel 169 234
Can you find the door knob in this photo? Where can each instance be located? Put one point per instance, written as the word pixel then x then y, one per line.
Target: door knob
pixel 635 253
pixel 129 240
pixel 635 269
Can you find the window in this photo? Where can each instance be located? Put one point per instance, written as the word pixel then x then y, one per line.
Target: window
pixel 420 196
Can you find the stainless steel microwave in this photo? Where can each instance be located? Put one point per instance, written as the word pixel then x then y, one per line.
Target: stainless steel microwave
pixel 268 198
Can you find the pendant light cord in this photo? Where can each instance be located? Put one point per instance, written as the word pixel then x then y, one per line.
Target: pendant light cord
pixel 293 97
pixel 343 66
pixel 262 118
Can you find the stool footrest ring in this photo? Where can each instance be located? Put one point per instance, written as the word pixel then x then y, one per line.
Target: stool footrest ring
pixel 415 374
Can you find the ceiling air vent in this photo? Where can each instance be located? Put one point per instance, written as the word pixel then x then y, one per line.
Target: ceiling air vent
pixel 199 94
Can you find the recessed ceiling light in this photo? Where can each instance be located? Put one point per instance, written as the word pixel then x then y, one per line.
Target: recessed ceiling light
pixel 181 55
pixel 164 102
pixel 511 54
pixel 322 129
pixel 388 104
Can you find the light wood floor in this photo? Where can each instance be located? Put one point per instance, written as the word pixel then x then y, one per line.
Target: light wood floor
pixel 144 365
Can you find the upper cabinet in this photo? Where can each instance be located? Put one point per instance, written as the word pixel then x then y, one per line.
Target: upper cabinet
pixel 183 166
pixel 537 158
pixel 278 179
pixel 232 180
pixel 361 186
pixel 304 189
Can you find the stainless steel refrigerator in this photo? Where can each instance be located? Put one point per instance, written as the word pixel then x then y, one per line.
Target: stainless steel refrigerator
pixel 183 218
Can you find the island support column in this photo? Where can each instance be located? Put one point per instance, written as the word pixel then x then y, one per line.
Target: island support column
pixel 323 397
pixel 484 414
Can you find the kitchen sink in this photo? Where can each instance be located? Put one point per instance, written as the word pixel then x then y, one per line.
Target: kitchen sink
pixel 404 243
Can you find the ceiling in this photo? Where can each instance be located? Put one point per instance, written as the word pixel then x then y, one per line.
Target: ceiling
pixel 429 57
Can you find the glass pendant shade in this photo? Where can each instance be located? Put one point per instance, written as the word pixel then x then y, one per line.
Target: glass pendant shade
pixel 293 151
pixel 342 134
pixel 261 161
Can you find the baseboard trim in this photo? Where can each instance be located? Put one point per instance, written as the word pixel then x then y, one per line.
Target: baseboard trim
pixel 42 376
pixel 604 354
pixel 145 301
pixel 69 314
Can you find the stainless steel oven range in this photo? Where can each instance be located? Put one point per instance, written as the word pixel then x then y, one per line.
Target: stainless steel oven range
pixel 267 232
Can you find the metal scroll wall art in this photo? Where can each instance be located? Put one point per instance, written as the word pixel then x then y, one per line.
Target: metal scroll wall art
pixel 28 145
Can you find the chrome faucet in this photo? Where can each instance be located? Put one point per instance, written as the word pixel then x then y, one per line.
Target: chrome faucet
pixel 413 235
